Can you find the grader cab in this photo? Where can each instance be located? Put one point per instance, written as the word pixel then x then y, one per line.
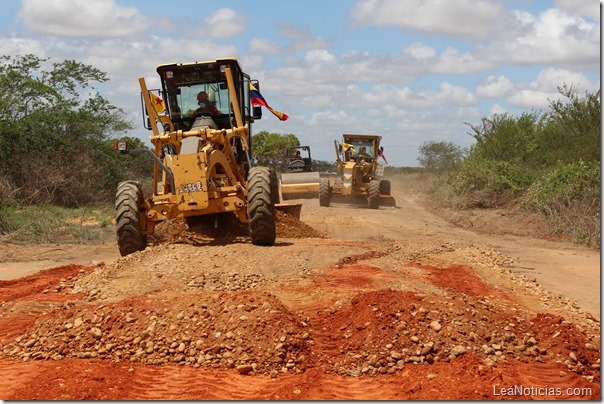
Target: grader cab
pixel 360 176
pixel 201 155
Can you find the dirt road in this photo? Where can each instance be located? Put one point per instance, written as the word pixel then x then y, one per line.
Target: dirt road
pixel 350 303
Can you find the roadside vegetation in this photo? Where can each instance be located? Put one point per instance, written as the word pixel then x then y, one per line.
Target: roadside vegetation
pixel 48 224
pixel 547 162
pixel 58 161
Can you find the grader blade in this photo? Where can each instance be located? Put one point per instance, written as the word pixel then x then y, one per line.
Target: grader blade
pixel 291 209
pixel 387 201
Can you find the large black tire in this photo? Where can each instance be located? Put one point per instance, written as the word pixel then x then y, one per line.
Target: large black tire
pixel 274 187
pixel 324 192
pixel 260 207
pixel 128 199
pixel 385 187
pixel 373 194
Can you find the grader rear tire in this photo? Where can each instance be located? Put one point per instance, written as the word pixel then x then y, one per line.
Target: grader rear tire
pixel 128 199
pixel 385 187
pixel 324 193
pixel 373 191
pixel 260 207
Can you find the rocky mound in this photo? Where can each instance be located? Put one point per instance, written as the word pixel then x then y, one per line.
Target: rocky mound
pixel 225 228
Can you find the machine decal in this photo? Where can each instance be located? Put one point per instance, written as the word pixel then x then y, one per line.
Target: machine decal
pixel 191 187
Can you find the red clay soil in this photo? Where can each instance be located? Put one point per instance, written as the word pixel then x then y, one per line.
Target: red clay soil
pixel 460 278
pixel 373 345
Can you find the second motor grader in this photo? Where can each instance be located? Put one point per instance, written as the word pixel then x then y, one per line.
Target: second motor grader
pixel 360 176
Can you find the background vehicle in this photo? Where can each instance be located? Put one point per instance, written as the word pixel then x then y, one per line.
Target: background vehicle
pixel 359 174
pixel 299 180
pixel 202 159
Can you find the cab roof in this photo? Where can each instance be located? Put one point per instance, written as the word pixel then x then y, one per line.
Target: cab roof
pixel 360 136
pixel 197 63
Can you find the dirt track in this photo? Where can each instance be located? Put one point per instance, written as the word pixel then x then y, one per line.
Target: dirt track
pixel 350 303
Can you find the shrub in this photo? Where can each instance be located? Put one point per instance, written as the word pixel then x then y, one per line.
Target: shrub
pixel 570 199
pixel 484 183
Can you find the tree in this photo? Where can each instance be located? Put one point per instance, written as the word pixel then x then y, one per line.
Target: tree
pixel 54 127
pixel 505 138
pixel 573 129
pixel 268 149
pixel 440 156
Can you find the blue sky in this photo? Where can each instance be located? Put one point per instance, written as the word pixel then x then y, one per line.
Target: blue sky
pixel 411 71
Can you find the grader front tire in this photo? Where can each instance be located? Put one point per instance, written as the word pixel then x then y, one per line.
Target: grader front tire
pixel 324 193
pixel 260 207
pixel 128 199
pixel 373 194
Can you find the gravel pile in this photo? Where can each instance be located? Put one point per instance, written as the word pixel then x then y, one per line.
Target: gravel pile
pixel 379 332
pixel 251 333
pixel 385 331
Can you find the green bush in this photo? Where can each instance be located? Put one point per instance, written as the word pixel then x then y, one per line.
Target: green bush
pixel 50 223
pixel 574 181
pixel 570 199
pixel 484 183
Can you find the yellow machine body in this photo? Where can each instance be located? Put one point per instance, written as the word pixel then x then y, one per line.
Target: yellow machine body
pixel 360 176
pixel 201 153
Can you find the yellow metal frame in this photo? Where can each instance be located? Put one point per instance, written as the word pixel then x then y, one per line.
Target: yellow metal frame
pixel 208 181
pixel 352 172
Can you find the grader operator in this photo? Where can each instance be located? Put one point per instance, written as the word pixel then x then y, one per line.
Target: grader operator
pixel 202 163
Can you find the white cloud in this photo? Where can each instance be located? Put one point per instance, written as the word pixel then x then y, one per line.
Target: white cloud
pixel 300 38
pixel 494 87
pixel 533 99
pixel 553 37
pixel 455 94
pixel 539 93
pixel 420 51
pixel 551 78
pixel 225 23
pixel 460 18
pixel 83 18
pixel 585 8
pixel 319 101
pixel 453 61
pixel 339 118
pixel 21 46
pixel 320 56
pixel 498 109
pixel 263 46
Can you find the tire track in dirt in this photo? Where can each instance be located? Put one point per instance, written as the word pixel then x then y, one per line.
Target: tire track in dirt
pixel 14 377
pixel 12 327
pixel 549 374
pixel 547 381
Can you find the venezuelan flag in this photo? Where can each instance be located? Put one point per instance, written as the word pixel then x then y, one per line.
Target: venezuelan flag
pixel 381 154
pixel 259 101
pixel 158 103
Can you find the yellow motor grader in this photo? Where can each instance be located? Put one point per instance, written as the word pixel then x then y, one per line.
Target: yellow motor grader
pixel 359 173
pixel 202 163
